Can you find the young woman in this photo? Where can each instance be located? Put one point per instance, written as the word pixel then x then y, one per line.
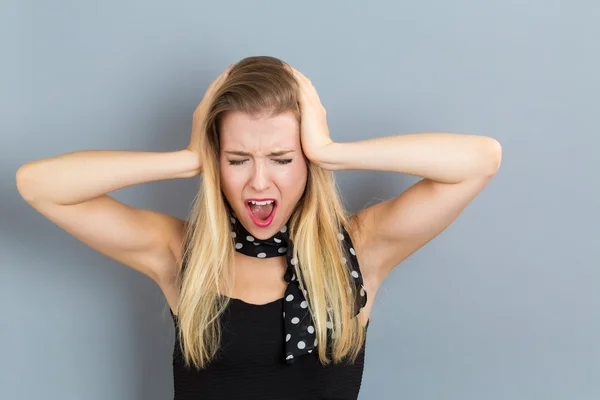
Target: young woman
pixel 270 281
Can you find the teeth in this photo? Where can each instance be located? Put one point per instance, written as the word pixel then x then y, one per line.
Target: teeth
pixel 261 203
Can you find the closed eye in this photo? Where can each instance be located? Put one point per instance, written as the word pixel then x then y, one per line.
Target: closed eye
pixel 279 161
pixel 236 162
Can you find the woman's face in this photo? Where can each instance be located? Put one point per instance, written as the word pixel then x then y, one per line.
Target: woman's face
pixel 251 168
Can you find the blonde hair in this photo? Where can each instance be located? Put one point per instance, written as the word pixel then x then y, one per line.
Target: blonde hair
pixel 262 86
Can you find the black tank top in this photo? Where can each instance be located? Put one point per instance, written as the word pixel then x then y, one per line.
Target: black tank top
pixel 251 364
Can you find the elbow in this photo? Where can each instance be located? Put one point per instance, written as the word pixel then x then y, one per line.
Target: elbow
pixel 24 184
pixel 493 157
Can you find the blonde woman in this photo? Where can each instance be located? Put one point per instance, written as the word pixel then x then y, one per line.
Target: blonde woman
pixel 270 281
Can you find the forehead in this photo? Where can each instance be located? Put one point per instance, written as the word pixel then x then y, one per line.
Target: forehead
pixel 259 134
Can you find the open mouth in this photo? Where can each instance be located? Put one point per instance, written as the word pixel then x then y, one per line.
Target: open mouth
pixel 261 211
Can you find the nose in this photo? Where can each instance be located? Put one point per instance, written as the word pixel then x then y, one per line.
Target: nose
pixel 260 179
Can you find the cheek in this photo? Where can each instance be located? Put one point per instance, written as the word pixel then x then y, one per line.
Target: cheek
pixel 297 174
pixel 231 182
pixel 292 179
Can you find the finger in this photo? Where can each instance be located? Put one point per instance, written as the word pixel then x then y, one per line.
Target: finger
pixel 293 70
pixel 217 82
pixel 224 74
pixel 228 70
pixel 303 82
pixel 308 93
pixel 301 76
pixel 307 87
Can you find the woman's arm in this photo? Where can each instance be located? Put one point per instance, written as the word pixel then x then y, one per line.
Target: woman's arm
pixel 441 157
pixel 75 177
pixel 71 191
pixel 455 168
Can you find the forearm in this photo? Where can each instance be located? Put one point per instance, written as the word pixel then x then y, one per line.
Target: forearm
pixel 79 176
pixel 443 157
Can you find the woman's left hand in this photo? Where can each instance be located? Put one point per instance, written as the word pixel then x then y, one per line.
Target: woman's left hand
pixel 314 133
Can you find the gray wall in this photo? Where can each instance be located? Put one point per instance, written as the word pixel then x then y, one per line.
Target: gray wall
pixel 503 305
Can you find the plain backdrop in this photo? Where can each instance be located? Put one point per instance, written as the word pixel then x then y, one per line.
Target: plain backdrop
pixel 505 304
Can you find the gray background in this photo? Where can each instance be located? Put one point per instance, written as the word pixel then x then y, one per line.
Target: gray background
pixel 503 305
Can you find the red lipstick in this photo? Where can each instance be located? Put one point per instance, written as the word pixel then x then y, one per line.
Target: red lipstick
pixel 258 222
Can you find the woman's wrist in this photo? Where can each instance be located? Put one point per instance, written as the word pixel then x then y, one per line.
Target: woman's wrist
pixel 190 162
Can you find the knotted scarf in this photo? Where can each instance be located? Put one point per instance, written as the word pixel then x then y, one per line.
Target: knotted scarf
pixel 300 338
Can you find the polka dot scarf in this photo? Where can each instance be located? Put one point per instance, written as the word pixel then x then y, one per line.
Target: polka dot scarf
pixel 300 338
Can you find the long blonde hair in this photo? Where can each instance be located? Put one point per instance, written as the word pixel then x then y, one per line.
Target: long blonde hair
pixel 259 85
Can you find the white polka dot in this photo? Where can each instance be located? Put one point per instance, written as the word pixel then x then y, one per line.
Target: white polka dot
pixel 301 344
pixel 344 260
pixel 238 245
pixel 256 244
pixel 304 291
pixel 289 357
pixel 289 297
pixel 233 234
pixel 294 276
pixel 293 261
pixel 310 351
pixel 232 220
pixel 295 320
pixel 261 255
pixel 249 238
pixel 352 251
pixel 282 250
pixel 340 236
pixel 329 325
pixel 288 337
pixel 277 240
pixel 355 274
pixel 282 230
pixel 303 304
pixel 362 291
pixel 284 314
pixel 310 329
pixel 316 341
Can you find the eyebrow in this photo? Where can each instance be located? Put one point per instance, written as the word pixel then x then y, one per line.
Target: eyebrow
pixel 273 153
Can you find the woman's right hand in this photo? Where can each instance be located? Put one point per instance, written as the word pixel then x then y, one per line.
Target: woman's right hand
pixel 202 109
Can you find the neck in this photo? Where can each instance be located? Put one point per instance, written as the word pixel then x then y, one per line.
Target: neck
pixel 244 262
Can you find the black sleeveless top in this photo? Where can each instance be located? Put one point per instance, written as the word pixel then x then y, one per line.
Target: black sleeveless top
pixel 250 363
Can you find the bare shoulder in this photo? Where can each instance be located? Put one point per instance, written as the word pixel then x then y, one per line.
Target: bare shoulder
pixel 390 231
pixel 144 240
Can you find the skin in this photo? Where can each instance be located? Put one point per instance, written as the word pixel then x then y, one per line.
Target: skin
pixel 72 191
pixel 259 174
